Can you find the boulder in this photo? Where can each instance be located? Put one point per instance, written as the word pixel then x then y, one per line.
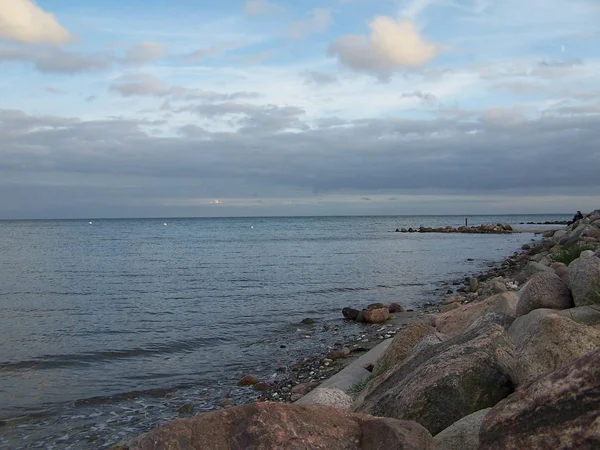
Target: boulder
pixel 585 315
pixel 450 307
pixel 530 270
pixel 549 342
pixel 266 426
pixel 336 398
pixel 378 315
pixel 586 253
pixel 559 410
pixel 584 279
pixel 248 380
pixel 402 345
pixel 560 269
pixel 455 322
pixel 559 236
pixel 473 284
pixel 544 290
pixel 429 341
pixel 373 306
pixel 504 320
pixel 395 308
pixel 444 383
pixel 461 435
pixel 498 287
pixel 350 313
pixel 305 388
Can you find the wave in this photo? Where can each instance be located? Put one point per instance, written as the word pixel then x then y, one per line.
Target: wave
pixel 79 359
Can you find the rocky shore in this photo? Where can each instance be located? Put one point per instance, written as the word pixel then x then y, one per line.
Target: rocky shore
pixel 508 359
pixel 480 229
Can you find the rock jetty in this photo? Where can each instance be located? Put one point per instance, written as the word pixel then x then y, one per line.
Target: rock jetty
pixel 514 364
pixel 480 229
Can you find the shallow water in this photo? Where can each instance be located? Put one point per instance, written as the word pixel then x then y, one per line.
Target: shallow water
pixel 106 329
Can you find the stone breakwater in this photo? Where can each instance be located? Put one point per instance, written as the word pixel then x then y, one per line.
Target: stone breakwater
pixel 480 229
pixel 510 361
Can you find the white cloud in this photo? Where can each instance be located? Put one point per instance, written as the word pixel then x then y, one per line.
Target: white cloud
pixel 414 8
pixel 391 45
pixel 24 21
pixel 318 23
pixel 145 52
pixel 257 7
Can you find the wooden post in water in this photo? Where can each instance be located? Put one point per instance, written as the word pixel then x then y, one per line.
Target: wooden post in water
pixel 466 221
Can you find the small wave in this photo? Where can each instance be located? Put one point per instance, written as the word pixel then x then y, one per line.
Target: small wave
pixel 55 361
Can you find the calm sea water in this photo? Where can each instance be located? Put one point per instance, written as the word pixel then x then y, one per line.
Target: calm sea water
pixel 99 321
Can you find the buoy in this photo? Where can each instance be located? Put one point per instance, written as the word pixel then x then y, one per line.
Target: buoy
pixel 90 222
pixel 165 224
pixel 252 226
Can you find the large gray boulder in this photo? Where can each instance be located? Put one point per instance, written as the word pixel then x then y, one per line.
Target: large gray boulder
pixel 402 345
pixel 544 290
pixel 429 341
pixel 444 383
pixel 559 236
pixel 336 398
pixel 530 270
pixel 461 435
pixel 560 269
pixel 504 320
pixel 584 279
pixel 585 315
pixel 547 342
pixel 266 426
pixel 559 410
pixel 455 322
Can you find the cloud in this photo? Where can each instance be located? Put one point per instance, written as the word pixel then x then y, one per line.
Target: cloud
pixel 319 78
pixel 252 60
pixel 426 97
pixel 55 60
pixel 58 161
pixel 141 85
pixel 144 52
pixel 521 88
pixel 53 90
pixel 391 45
pixel 414 9
pixel 213 50
pixel 23 21
pixel 316 24
pixel 258 7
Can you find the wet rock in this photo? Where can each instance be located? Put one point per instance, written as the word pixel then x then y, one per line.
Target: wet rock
pixel 338 354
pixel 373 306
pixel 225 403
pixel 262 387
pixel 442 384
pixel 529 270
pixel 266 426
pixel 461 435
pixel 498 287
pixel 473 284
pixel 395 308
pixel 379 315
pixel 308 321
pixel 305 388
pixel 361 316
pixel 559 410
pixel 248 380
pixel 350 313
pixel 584 279
pixel 185 409
pixel 545 342
pixel 544 290
pixel 402 345
pixel 455 322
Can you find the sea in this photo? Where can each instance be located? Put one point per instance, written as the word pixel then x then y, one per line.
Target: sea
pixel 108 326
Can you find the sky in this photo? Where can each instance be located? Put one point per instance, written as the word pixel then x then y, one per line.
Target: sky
pixel 192 108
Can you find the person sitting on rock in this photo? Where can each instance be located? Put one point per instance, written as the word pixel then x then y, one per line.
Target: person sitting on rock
pixel 577 217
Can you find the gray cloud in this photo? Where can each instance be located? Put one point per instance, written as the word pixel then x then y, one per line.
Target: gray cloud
pixel 319 78
pixel 119 163
pixel 142 85
pixel 144 52
pixel 426 97
pixel 55 60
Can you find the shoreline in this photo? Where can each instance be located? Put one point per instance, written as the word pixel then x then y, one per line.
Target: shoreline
pixel 312 371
